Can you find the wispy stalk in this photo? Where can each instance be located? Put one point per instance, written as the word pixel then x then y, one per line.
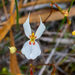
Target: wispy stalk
pixel 71 5
pixel 62 23
pixel 17 18
pixel 65 18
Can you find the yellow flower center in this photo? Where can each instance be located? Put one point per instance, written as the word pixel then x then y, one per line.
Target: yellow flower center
pixel 32 38
pixel 65 12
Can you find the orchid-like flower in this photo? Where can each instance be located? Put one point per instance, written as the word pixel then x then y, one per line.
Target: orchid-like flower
pixel 31 48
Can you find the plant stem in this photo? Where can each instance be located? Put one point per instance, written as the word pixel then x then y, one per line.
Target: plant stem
pixel 65 16
pixel 17 18
pixel 71 5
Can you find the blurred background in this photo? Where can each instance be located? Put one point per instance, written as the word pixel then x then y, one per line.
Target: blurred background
pixel 57 42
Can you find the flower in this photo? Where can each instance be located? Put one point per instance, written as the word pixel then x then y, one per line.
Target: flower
pixel 73 33
pixel 65 12
pixel 31 48
pixel 12 49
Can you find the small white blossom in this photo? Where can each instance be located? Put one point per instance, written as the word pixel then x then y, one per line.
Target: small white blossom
pixel 31 48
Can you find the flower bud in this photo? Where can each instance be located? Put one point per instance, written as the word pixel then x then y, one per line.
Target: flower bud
pixel 73 33
pixel 12 49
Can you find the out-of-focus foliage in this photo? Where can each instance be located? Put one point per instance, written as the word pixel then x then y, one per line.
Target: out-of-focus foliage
pixel 57 42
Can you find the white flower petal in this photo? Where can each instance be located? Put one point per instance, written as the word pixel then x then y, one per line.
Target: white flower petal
pixel 27 28
pixel 40 30
pixel 26 50
pixel 31 51
pixel 35 51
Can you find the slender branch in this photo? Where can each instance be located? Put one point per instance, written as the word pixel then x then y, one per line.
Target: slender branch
pixel 13 60
pixel 52 51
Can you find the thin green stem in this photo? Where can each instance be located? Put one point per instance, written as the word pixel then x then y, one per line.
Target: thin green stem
pixel 65 16
pixel 71 5
pixel 17 18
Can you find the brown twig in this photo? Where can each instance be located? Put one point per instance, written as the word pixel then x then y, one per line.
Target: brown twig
pixel 13 60
pixel 14 68
pixel 44 2
pixel 48 16
pixel 54 69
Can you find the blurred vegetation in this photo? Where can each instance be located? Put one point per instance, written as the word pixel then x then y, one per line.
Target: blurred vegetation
pixel 64 54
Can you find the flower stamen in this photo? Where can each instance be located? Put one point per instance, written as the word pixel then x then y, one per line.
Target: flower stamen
pixel 32 39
